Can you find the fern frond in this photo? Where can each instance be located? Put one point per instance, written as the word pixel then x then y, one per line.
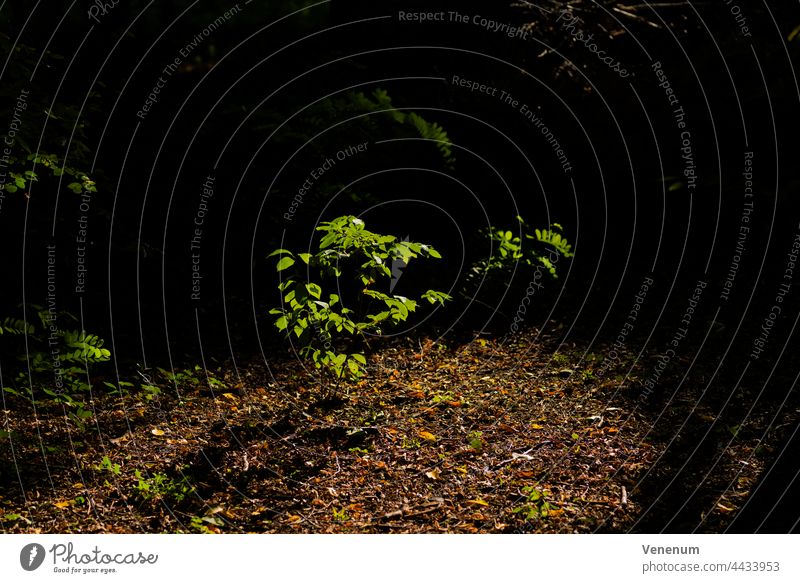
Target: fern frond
pixel 434 132
pixel 555 240
pixel 15 326
pixel 84 347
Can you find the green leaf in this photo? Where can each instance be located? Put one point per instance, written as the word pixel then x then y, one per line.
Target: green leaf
pixel 281 323
pixel 355 370
pixel 285 263
pixel 280 252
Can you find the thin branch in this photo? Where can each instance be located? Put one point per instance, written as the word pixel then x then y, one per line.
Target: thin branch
pixel 636 17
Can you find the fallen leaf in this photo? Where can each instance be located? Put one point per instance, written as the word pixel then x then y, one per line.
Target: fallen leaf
pixel 63 504
pixel 157 431
pixel 478 502
pixel 536 426
pixel 434 474
pixel 427 436
pixel 230 396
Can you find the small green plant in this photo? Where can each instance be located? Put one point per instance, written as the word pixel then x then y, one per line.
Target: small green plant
pixel 106 466
pixel 198 524
pixel 536 505
pixel 160 486
pixel 54 358
pixel 185 377
pixel 444 397
pixel 79 416
pixel 475 440
pixel 537 250
pixel 151 391
pixel 333 334
pixel 13 517
pixel 340 514
pixel 411 443
pixel 521 247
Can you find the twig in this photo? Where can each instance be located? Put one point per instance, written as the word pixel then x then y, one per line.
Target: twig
pixel 532 5
pixel 657 5
pixel 524 455
pixel 636 17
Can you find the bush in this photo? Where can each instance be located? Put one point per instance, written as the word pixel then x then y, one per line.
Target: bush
pixel 328 332
pixel 56 361
pixel 534 249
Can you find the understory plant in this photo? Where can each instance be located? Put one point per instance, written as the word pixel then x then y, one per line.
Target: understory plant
pixel 528 249
pixel 524 248
pixel 333 331
pixel 53 360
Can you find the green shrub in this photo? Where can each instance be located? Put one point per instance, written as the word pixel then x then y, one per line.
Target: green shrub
pixel 512 249
pixel 349 256
pixel 536 249
pixel 54 360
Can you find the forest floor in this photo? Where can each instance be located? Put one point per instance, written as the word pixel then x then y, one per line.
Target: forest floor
pixel 476 438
